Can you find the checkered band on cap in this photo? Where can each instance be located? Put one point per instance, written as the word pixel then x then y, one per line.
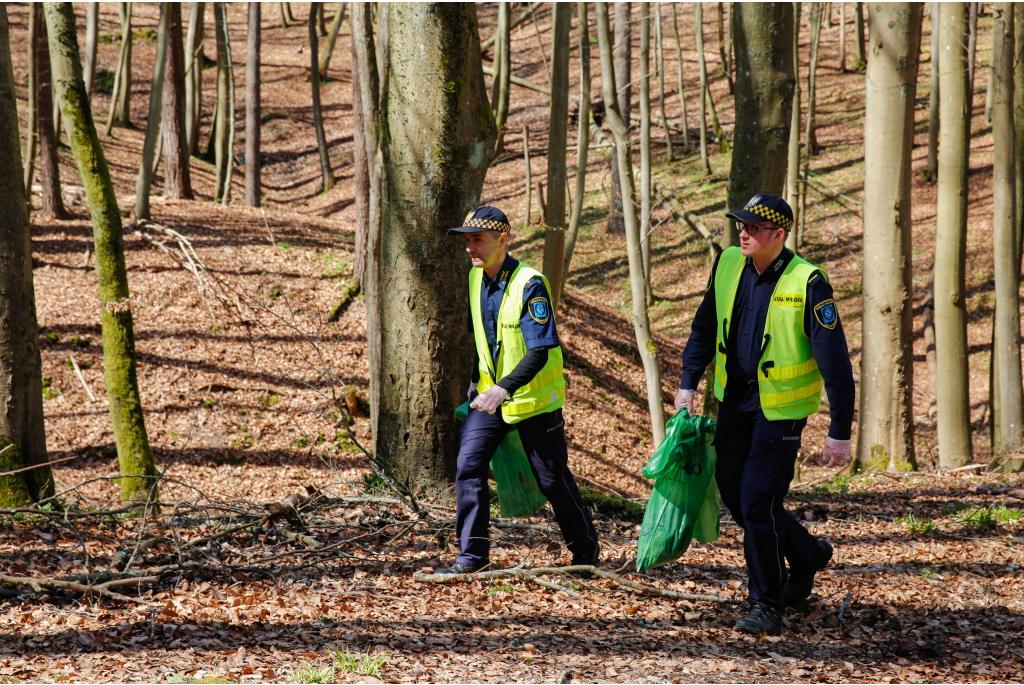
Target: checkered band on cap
pixel 486 224
pixel 769 214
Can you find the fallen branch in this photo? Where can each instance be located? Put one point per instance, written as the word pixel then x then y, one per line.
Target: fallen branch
pixel 81 378
pixel 680 214
pixel 348 296
pixel 103 590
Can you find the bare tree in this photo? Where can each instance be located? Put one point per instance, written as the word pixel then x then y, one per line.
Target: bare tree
pixel 22 431
pixel 253 109
pixel 360 164
pixel 699 30
pixel 1008 407
pixel 177 174
pixel 623 65
pixel 842 38
pixel 144 180
pixel 886 427
pixel 645 144
pixel 92 34
pixel 124 95
pixel 136 459
pixel 49 162
pixel 860 60
pixel 972 44
pixel 660 56
pixel 810 137
pixel 641 323
pixel 326 173
pixel 501 82
pixel 120 72
pixel 582 140
pixel 332 38
pixel 723 56
pixel 1018 123
pixel 554 212
pixel 31 135
pixel 949 21
pixel 679 75
pixel 224 121
pixel 933 98
pixel 793 153
pixel 529 176
pixel 194 58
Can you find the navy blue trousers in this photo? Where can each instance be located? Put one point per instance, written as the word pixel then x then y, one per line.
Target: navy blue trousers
pixel 755 466
pixel 543 438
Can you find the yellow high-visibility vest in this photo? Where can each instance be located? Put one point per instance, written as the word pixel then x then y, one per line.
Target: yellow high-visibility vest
pixel 546 392
pixel 788 379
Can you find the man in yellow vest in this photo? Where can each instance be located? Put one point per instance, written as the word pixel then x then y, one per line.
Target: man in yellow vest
pixel 769 322
pixel 517 383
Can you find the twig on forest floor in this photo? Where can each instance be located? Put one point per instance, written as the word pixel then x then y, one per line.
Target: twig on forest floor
pixel 103 589
pixel 81 378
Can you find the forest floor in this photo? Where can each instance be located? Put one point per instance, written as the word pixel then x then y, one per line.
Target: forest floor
pixel 240 372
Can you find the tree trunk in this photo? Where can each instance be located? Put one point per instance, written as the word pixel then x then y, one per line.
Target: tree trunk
pixel 124 95
pixel 136 460
pixel 253 111
pixel 699 31
pixel 1006 344
pixel 793 156
pixel 284 18
pixel 623 56
pixel 529 176
pixel 224 126
pixel 641 324
pixel 949 21
pixel 810 137
pixel 933 98
pixel 321 20
pixel 49 162
pixel 326 173
pixel 645 144
pixel 886 424
pixel 722 48
pixel 501 81
pixel 332 38
pixel 288 12
pixel 125 10
pixel 679 74
pixel 434 172
pixel 582 139
pixel 32 119
pixel 92 34
pixel 194 74
pixel 842 38
pixel 1018 124
pixel 860 60
pixel 723 142
pixel 660 55
pixel 365 63
pixel 144 180
pixel 554 212
pixel 972 43
pixel 765 78
pixel 988 96
pixel 383 41
pixel 21 383
pixel 360 167
pixel 177 175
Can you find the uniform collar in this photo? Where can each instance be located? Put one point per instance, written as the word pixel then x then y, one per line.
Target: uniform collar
pixel 507 267
pixel 773 272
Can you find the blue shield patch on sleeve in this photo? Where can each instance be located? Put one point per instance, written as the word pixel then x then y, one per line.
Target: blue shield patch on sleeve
pixel 826 314
pixel 539 309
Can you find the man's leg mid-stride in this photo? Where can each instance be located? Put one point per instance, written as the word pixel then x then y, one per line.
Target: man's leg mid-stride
pixel 480 436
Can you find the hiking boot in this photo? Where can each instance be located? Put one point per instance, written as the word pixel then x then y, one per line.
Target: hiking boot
pixel 801 580
pixel 459 568
pixel 590 559
pixel 762 618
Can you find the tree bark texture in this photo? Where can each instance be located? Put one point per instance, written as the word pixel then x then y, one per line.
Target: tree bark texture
pixel 529 176
pixel 582 139
pixel 793 154
pixel 253 111
pixel 32 118
pixel 933 98
pixel 224 125
pixel 92 34
pixel 972 44
pixel 679 77
pixel 765 79
pixel 886 424
pixel 645 143
pixel 660 58
pixel 703 118
pixel 326 173
pixel 435 156
pixel 144 180
pixel 558 122
pixel 121 374
pixel 723 66
pixel 124 95
pixel 810 137
pixel 49 161
pixel 1018 123
pixel 860 59
pixel 842 38
pixel 194 74
pixel 22 433
pixel 1006 339
pixel 623 58
pixel 641 323
pixel 501 81
pixel 177 175
pixel 360 167
pixel 332 39
pixel 383 11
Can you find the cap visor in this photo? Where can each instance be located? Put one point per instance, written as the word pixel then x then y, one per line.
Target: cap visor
pixel 745 216
pixel 465 229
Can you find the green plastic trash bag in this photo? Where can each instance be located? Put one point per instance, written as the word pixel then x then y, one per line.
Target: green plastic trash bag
pixel 684 502
pixel 518 492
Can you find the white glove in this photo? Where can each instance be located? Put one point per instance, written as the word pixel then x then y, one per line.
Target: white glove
pixel 684 398
pixel 490 400
pixel 472 389
pixel 837 452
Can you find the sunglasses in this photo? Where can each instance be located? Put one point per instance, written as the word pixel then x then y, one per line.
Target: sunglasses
pixel 753 229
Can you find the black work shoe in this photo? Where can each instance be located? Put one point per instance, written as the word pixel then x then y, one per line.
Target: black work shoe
pixel 762 618
pixel 801 580
pixel 459 568
pixel 590 559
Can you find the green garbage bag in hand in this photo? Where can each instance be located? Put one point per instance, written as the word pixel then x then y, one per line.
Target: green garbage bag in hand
pixel 684 503
pixel 518 492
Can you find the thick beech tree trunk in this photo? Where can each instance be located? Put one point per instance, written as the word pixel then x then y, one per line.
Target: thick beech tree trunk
pixel 136 460
pixel 1018 123
pixel 434 159
pixel 326 173
pixel 703 118
pixel 582 139
pixel 765 79
pixel 21 383
pixel 194 57
pixel 886 426
pixel 793 156
pixel 501 81
pixel 623 63
pixel 92 34
pixel 949 21
pixel 252 108
pixel 679 77
pixel 49 162
pixel 1009 405
pixel 224 124
pixel 177 175
pixel 144 180
pixel 554 212
pixel 641 323
pixel 933 98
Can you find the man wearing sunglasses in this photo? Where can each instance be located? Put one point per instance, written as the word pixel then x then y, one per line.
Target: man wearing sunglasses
pixel 769 322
